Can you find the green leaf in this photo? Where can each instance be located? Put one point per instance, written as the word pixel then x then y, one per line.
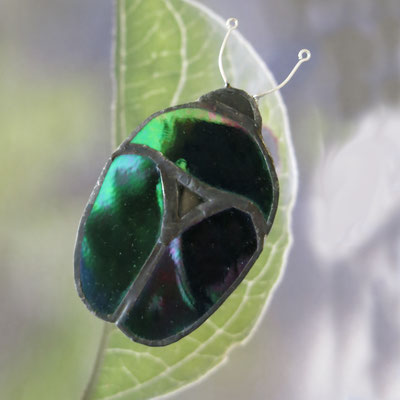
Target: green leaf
pixel 166 53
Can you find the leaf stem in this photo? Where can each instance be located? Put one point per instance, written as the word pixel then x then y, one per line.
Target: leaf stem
pixel 99 358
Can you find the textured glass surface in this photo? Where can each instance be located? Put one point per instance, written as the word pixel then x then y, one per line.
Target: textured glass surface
pixel 194 272
pixel 214 149
pixel 120 231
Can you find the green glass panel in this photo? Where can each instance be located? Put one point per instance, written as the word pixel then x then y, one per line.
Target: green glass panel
pixel 214 149
pixel 121 230
pixel 195 271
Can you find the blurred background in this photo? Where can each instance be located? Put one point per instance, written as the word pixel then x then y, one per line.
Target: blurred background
pixel 332 330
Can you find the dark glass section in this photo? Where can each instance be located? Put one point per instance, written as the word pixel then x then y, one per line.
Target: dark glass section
pixel 120 231
pixel 215 251
pixel 215 149
pixel 161 310
pixel 194 272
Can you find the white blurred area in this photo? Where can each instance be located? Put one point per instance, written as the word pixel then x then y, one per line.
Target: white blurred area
pixel 356 187
pixel 354 217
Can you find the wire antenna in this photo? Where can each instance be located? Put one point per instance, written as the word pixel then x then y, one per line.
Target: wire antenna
pixel 231 24
pixel 304 56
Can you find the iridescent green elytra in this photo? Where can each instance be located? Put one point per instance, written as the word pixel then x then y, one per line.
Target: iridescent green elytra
pixel 177 219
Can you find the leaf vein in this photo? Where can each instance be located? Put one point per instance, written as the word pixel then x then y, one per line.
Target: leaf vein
pixel 183 52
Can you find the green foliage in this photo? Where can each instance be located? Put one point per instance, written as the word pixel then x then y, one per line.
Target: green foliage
pixel 165 54
pixel 48 341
